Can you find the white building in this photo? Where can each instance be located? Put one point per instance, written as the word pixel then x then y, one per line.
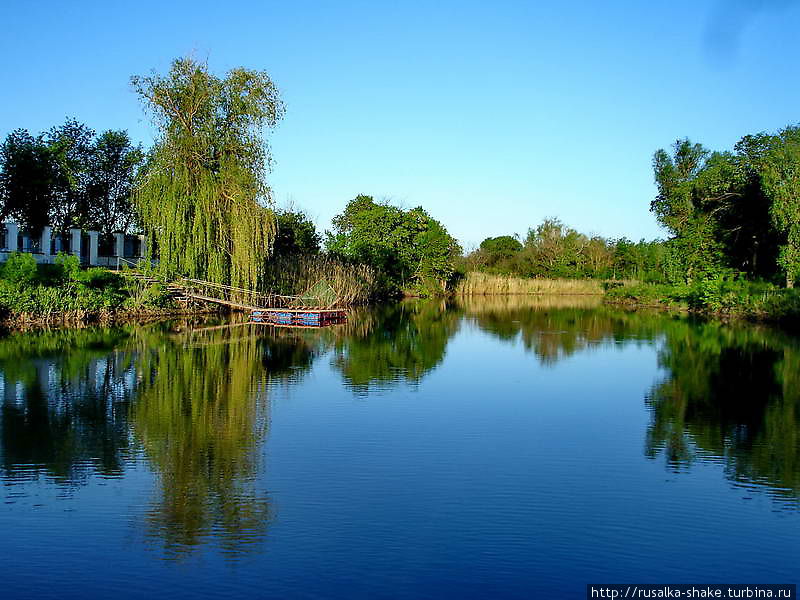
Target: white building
pixel 86 245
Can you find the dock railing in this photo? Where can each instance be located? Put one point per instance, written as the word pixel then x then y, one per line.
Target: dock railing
pixel 250 299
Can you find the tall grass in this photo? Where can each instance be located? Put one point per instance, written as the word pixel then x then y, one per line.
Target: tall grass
pixel 476 284
pixel 477 304
pixel 303 274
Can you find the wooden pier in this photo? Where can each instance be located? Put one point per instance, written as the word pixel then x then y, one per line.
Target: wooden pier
pixel 299 317
pixel 316 308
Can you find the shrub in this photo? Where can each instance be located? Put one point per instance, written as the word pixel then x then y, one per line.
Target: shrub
pixel 154 295
pixel 98 278
pixel 69 266
pixel 20 269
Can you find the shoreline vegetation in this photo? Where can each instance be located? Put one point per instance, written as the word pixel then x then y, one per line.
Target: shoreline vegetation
pixel 56 296
pixel 200 200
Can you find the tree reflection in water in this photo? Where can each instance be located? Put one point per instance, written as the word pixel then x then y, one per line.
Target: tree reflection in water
pixel 200 414
pixel 387 345
pixel 731 394
pixel 192 398
pixel 65 405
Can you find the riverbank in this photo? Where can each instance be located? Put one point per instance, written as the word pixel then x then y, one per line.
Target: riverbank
pixel 34 295
pixel 754 301
pixel 720 298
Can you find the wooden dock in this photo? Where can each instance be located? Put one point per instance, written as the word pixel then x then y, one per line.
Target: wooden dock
pixel 318 307
pixel 274 309
pixel 299 317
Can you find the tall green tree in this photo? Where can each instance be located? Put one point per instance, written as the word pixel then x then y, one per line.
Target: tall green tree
pixel 203 201
pixel 70 146
pixel 408 247
pixel 782 184
pixel 695 249
pixel 26 180
pixel 112 172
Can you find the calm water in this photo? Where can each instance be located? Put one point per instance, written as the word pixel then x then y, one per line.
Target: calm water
pixel 511 448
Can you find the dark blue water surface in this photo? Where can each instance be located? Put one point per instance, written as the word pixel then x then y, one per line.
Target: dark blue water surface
pixel 506 448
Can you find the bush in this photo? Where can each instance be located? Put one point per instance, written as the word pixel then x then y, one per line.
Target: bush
pixel 68 266
pixel 154 295
pixel 98 278
pixel 20 269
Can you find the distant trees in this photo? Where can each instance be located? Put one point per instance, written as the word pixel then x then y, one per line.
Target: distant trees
pixel 203 201
pixel 555 250
pixel 732 211
pixel 407 247
pixel 69 177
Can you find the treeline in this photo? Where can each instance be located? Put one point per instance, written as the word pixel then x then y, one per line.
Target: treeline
pixel 554 250
pixel 734 212
pixel 69 176
pixel 408 249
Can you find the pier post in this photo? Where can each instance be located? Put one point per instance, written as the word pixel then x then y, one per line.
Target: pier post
pixel 46 241
pixel 94 237
pixel 75 242
pixel 12 237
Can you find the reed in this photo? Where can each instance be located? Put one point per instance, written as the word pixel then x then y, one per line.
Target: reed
pixel 300 274
pixel 477 284
pixel 479 305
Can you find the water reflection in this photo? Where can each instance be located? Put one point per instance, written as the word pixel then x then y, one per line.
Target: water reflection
pixel 200 414
pixel 191 399
pixel 730 395
pixel 402 342
pixel 556 327
pixel 65 405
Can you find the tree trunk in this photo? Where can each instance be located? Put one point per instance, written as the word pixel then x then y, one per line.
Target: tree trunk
pixel 789 281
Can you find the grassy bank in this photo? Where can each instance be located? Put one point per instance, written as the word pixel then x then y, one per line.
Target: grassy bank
pixel 65 293
pixel 484 284
pixel 742 299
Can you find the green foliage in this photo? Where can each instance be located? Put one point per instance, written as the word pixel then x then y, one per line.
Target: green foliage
pixel 62 289
pixel 503 246
pixel 408 248
pixel 723 295
pixel 20 269
pixel 782 183
pixel 202 200
pixel 296 234
pixel 68 265
pixel 732 211
pixel 68 177
pixel 553 250
pixel 111 175
pixel 27 175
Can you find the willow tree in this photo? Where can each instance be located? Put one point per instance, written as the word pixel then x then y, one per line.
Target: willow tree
pixel 204 199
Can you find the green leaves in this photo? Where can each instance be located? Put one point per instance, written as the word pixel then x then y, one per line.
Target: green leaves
pixel 407 247
pixel 735 210
pixel 203 200
pixel 68 177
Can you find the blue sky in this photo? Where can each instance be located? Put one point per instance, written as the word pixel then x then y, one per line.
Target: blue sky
pixel 491 116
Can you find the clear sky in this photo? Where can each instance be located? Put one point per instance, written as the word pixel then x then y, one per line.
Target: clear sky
pixel 491 115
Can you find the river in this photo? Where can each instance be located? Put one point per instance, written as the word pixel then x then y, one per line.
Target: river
pixel 509 447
